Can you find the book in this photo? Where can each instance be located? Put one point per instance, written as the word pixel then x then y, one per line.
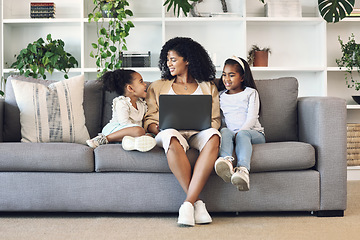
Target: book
pixel 42 9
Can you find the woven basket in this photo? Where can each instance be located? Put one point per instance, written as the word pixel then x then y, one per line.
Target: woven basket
pixel 353 144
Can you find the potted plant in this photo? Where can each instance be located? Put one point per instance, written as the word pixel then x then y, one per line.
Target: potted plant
pixel 42 56
pixel 111 34
pixel 350 60
pixel 258 57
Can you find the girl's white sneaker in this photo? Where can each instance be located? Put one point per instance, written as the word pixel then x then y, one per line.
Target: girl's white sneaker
pixel 224 168
pixel 241 179
pixel 143 143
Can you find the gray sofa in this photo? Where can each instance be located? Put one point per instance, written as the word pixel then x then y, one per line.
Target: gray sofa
pixel 302 167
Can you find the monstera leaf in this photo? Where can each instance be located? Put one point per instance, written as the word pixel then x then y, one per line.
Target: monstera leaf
pixel 335 10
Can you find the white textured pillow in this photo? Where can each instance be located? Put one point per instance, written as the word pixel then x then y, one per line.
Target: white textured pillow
pixel 52 113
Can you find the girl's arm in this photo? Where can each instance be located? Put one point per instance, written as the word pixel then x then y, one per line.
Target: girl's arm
pixel 253 111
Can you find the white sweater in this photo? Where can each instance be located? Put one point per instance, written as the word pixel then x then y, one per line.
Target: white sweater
pixel 241 110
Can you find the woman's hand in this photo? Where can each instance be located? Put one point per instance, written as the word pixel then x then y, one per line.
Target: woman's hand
pixel 153 128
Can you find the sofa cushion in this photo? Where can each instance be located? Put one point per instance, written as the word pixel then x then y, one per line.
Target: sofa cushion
pixel 282 156
pixel 52 113
pixel 266 157
pixel 113 158
pixel 278 113
pixel 46 157
pixel 93 98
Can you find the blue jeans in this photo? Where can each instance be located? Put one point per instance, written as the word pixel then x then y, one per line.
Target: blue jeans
pixel 242 141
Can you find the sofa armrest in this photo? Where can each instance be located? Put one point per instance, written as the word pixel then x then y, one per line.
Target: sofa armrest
pixel 2 104
pixel 322 123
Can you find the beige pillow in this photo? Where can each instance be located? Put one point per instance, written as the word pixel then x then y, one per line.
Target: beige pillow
pixel 52 113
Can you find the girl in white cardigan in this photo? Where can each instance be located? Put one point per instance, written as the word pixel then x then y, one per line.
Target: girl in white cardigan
pixel 128 110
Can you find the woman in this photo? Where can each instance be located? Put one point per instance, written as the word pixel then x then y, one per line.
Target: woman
pixel 186 68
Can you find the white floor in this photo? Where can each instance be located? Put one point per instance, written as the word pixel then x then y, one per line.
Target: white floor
pixel 353 173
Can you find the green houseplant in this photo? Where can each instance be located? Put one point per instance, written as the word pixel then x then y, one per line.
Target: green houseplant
pixel 183 5
pixel 350 60
pixel 43 56
pixel 111 33
pixel 258 57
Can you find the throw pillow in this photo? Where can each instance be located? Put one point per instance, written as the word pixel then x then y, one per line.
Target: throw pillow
pixel 52 113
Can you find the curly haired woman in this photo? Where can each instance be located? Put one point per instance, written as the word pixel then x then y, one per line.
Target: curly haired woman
pixel 186 68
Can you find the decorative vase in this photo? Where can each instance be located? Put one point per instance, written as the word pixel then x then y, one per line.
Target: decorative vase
pixel 261 59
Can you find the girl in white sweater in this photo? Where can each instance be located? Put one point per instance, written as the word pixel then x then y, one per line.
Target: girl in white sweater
pixel 240 104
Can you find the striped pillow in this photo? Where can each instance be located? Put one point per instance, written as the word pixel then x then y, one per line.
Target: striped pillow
pixel 52 113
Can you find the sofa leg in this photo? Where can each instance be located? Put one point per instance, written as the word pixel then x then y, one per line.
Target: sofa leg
pixel 330 213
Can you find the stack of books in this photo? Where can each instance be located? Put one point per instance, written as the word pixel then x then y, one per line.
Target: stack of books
pixel 283 8
pixel 42 10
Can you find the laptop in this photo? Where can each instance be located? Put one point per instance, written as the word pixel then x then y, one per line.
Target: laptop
pixel 185 112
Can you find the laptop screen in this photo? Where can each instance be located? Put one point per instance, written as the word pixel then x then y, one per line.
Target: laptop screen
pixel 185 112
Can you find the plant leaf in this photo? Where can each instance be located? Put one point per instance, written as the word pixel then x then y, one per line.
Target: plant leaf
pixel 335 10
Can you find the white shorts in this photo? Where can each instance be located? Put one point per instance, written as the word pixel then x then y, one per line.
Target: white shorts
pixel 187 139
pixel 114 127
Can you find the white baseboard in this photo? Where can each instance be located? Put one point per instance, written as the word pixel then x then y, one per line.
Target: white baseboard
pixel 353 173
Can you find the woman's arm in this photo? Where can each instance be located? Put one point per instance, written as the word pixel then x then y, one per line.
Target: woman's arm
pixel 215 116
pixel 151 119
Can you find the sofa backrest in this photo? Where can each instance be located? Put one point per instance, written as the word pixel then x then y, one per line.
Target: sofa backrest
pixel 93 99
pixel 278 114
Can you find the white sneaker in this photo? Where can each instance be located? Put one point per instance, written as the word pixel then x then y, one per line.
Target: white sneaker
pixel 143 143
pixel 97 141
pixel 186 215
pixel 201 214
pixel 241 179
pixel 224 168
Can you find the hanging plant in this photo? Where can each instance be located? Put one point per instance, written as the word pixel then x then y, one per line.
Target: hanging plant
pixel 111 33
pixel 42 56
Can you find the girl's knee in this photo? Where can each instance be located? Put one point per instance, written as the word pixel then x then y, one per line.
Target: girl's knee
pixel 138 131
pixel 243 133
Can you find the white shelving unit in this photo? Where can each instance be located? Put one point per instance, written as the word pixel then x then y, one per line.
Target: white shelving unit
pixel 305 47
pixel 222 36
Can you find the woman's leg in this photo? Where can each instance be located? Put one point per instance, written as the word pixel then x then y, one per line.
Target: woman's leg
pixel 179 163
pixel 204 164
pixel 175 146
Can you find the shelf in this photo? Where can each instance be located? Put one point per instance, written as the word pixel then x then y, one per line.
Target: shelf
pixel 41 20
pixel 285 20
pixel 353 106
